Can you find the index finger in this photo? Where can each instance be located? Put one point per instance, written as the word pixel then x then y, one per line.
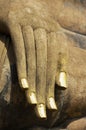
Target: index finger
pixel 18 44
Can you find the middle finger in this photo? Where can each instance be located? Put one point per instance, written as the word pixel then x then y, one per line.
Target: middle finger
pixel 41 50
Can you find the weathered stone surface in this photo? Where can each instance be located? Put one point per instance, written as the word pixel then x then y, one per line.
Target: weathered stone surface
pixel 15 111
pixel 65 16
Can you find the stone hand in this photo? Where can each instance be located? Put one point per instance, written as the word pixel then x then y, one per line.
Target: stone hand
pixel 37 47
pixel 42 52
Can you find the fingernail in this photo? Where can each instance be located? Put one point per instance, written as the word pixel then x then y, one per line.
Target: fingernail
pixel 52 104
pixel 41 111
pixel 63 79
pixel 32 98
pixel 24 83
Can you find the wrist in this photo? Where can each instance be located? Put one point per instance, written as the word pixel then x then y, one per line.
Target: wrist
pixel 4 9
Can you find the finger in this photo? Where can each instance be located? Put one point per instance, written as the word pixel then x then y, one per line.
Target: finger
pixel 31 63
pixel 19 49
pixel 41 48
pixel 51 69
pixel 61 77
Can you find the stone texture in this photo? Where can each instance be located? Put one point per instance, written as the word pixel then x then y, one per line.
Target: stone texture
pixel 66 16
pixel 15 111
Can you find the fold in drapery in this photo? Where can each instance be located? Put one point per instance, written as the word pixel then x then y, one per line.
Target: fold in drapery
pixel 4 41
pixel 2 55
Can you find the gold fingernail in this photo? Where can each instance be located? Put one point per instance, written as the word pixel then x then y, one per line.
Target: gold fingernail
pixel 41 111
pixel 24 83
pixel 52 104
pixel 63 79
pixel 32 98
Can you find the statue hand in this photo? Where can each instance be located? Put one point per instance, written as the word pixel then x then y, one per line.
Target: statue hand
pixel 36 49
